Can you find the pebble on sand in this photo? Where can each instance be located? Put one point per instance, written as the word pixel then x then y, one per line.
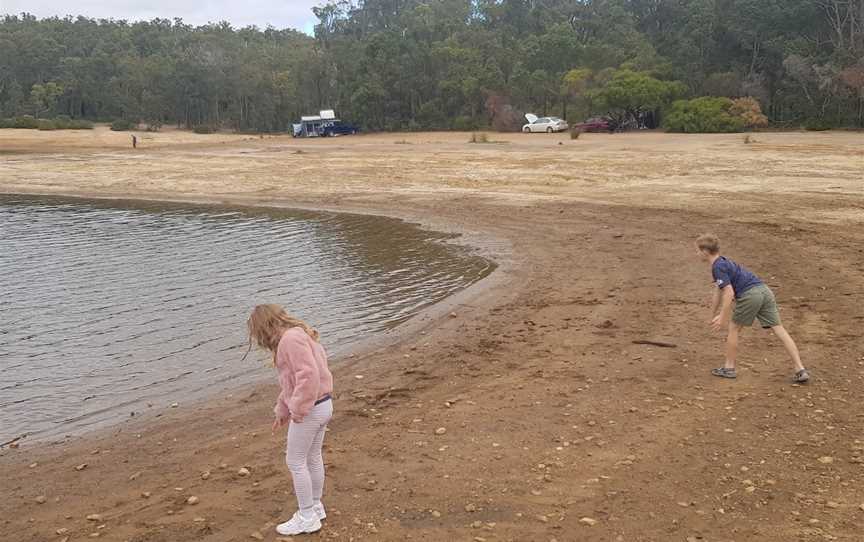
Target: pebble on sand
pixel 41 499
pixel 826 460
pixel 257 536
pixel 145 494
pixel 205 475
pixel 588 521
pixel 81 467
pixel 243 472
pixel 440 431
pixel 94 517
pixel 193 500
pixel 62 531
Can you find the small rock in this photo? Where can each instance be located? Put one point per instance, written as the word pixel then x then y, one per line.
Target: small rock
pixel 536 492
pixel 257 536
pixel 81 467
pixel 543 519
pixel 62 531
pixel 193 500
pixel 34 465
pixel 359 377
pixel 205 475
pixel 175 405
pixel 145 494
pixel 826 460
pixel 588 521
pixel 436 514
pixel 470 508
pixel 440 431
pixel 199 520
pixel 452 315
pixel 861 507
pixel 95 535
pixel 41 499
pixel 243 472
pixel 94 517
pixel 135 476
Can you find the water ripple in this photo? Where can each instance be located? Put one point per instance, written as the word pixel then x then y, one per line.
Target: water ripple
pixel 106 309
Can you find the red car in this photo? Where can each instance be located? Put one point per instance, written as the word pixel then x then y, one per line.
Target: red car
pixel 596 124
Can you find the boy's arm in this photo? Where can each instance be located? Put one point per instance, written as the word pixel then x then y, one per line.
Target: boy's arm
pixel 727 295
pixel 715 301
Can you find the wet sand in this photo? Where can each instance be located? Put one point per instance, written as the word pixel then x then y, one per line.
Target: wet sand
pixel 557 425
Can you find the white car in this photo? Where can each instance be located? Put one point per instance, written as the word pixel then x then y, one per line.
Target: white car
pixel 544 124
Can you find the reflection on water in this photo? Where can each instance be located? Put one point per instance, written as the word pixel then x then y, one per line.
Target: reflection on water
pixel 108 309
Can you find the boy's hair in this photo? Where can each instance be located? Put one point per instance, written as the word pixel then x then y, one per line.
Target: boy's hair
pixel 709 243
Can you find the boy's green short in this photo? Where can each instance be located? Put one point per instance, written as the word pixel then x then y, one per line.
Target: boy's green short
pixel 757 303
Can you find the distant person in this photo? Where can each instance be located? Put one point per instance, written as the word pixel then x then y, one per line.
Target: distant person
pixel 753 301
pixel 134 142
pixel 305 405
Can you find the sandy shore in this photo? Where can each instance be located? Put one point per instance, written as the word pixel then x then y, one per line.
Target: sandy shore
pixel 552 413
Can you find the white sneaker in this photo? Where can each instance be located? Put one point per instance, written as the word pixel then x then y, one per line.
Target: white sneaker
pixel 319 510
pixel 299 525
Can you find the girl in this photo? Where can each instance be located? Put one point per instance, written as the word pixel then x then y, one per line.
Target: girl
pixel 304 404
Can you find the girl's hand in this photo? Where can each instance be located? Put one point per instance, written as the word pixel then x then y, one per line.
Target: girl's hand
pixel 278 423
pixel 296 419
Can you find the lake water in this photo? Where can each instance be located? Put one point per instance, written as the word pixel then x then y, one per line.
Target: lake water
pixel 112 308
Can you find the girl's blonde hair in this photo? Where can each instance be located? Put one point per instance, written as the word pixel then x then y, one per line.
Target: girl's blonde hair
pixel 268 322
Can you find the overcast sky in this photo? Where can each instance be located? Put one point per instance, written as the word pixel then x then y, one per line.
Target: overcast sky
pixel 278 13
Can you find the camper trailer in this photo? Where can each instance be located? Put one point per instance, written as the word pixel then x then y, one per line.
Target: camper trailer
pixel 324 124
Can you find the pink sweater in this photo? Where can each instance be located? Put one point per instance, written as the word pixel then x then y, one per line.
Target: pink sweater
pixel 303 374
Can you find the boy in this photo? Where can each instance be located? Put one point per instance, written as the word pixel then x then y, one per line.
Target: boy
pixel 753 300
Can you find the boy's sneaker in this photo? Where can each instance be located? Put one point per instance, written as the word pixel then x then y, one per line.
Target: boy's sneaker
pixel 319 511
pixel 724 372
pixel 801 377
pixel 299 525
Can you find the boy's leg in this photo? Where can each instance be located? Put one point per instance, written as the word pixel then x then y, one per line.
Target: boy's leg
pixel 732 344
pixel 790 346
pixel 769 317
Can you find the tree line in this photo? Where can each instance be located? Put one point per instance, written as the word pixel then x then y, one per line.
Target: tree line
pixel 446 64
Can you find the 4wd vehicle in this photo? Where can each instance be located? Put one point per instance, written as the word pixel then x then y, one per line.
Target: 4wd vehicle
pixel 596 124
pixel 338 127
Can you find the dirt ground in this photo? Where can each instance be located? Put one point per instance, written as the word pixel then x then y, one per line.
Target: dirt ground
pixel 556 425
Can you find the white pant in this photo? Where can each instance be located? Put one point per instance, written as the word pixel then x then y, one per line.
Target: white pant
pixel 303 455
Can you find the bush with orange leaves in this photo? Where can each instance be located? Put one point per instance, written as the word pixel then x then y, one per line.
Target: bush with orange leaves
pixel 749 110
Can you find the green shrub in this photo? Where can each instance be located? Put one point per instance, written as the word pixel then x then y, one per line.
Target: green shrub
pixel 62 122
pixel 80 124
pixel 204 129
pixel 45 124
pixel 465 124
pixel 818 125
pixel 122 125
pixel 7 123
pixel 703 115
pixel 26 122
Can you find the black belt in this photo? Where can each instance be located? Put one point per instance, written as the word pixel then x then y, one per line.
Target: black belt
pixel 323 399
